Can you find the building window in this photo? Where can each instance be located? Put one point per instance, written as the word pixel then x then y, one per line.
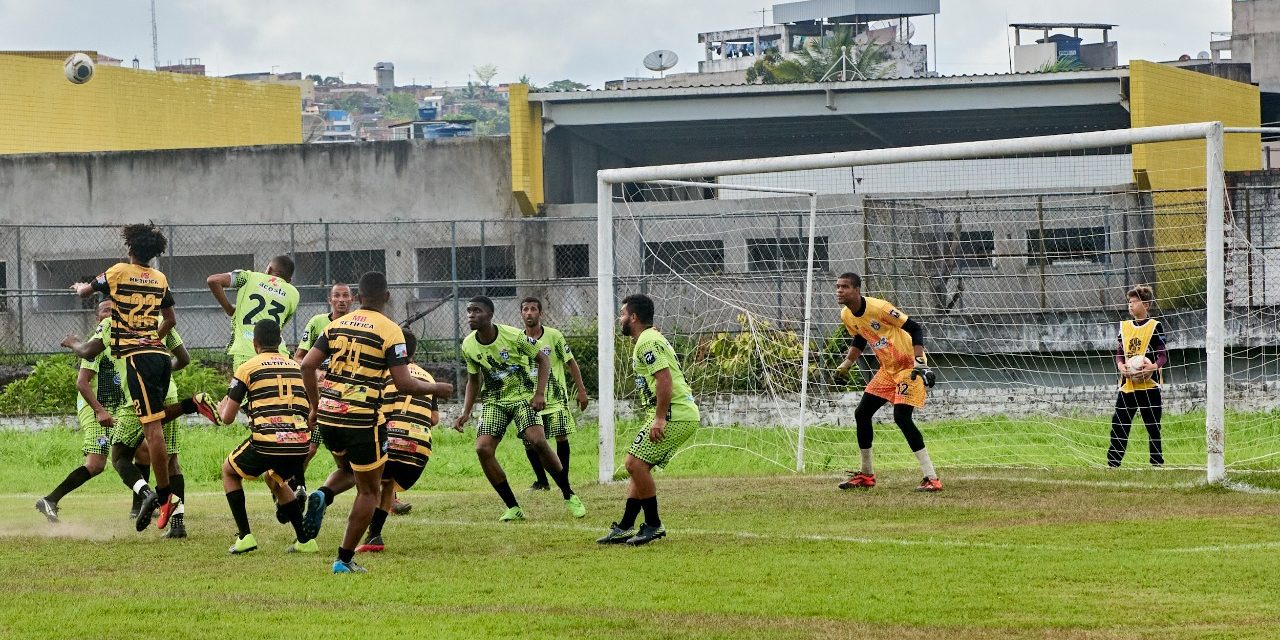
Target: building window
pixel 486 264
pixel 1071 245
pixel 786 254
pixel 684 257
pixel 973 249
pixel 573 261
pixel 58 275
pixel 187 275
pixel 313 277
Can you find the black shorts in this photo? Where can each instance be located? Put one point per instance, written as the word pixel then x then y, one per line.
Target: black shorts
pixel 250 463
pixel 364 448
pixel 148 379
pixel 404 475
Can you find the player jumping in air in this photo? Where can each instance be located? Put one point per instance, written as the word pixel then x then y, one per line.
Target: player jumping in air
pixel 669 411
pixel 1139 389
pixel 904 374
pixel 364 349
pixel 501 358
pixel 258 296
pixel 557 419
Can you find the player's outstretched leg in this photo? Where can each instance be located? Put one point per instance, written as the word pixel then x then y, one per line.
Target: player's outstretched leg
pixel 534 438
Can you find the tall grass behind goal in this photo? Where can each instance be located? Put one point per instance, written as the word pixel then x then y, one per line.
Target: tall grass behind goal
pixel 1014 255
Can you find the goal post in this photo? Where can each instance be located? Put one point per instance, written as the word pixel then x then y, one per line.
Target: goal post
pixel 612 186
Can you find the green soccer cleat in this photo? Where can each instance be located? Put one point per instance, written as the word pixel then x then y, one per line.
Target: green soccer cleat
pixel 616 535
pixel 243 545
pixel 514 514
pixel 576 507
pixel 309 546
pixel 647 534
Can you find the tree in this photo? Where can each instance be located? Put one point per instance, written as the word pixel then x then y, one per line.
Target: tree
pixel 315 77
pixel 565 85
pixel 331 81
pixel 402 106
pixel 828 59
pixel 485 73
pixel 524 79
pixel 1061 64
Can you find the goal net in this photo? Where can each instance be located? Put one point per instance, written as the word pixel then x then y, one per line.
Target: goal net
pixel 1014 256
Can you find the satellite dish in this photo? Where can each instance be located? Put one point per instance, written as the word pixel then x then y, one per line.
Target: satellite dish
pixel 1203 55
pixel 661 60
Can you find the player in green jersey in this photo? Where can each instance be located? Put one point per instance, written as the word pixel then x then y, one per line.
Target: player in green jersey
pixel 557 419
pixel 503 356
pixel 670 412
pixel 258 296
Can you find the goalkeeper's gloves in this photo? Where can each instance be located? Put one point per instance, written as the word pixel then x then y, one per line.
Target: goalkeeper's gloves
pixel 922 370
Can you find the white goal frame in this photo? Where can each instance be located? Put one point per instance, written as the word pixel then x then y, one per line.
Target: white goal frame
pixel 684 174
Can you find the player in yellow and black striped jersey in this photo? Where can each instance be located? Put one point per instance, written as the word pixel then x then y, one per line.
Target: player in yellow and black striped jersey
pixel 364 349
pixel 137 292
pixel 270 387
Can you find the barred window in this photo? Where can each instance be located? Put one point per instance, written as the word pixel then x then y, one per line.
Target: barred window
pixel 786 254
pixel 490 264
pixel 1073 244
pixel 684 256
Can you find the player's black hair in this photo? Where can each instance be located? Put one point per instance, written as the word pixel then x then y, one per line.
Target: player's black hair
pixel 266 333
pixel 144 239
pixel 373 284
pixel 410 343
pixel 283 266
pixel 483 301
pixel 641 305
pixel 853 278
pixel 532 300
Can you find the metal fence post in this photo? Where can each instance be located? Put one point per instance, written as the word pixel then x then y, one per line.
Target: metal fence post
pixel 328 268
pixel 22 300
pixel 484 273
pixel 457 316
pixel 293 255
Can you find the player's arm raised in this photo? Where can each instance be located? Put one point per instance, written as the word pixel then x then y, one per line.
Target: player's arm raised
pixel 218 284
pixel 86 350
pixel 468 401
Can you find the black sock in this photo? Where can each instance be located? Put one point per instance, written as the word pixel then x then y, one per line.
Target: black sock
pixel 346 555
pixel 178 485
pixel 77 477
pixel 137 502
pixel 562 452
pixel 536 462
pixel 651 511
pixel 562 481
pixel 144 470
pixel 375 525
pixel 297 481
pixel 188 406
pixel 236 500
pixel 130 474
pixel 629 514
pixel 293 512
pixel 164 492
pixel 328 495
pixel 504 492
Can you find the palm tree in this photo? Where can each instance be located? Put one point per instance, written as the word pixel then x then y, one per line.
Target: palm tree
pixel 828 59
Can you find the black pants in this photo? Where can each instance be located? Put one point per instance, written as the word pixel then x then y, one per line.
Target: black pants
pixel 1146 402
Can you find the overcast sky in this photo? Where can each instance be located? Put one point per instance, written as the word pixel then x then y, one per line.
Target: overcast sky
pixel 439 42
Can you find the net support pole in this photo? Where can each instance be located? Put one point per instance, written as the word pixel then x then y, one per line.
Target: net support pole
pixel 808 321
pixel 604 326
pixel 1215 290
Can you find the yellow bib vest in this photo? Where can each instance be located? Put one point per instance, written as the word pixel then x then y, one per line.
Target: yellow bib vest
pixel 1136 339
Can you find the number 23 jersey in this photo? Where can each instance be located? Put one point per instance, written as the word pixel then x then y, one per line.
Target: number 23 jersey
pixel 258 296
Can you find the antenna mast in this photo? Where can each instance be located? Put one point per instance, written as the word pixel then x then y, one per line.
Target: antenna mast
pixel 155 38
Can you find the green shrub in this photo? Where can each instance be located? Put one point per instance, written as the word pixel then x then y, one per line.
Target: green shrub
pixel 49 390
pixel 197 377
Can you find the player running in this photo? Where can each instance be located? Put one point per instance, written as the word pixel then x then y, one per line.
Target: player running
pixel 339 305
pixel 1143 336
pixel 364 349
pixel 510 394
pixel 270 387
pixel 557 419
pixel 670 412
pixel 258 296
pixel 904 374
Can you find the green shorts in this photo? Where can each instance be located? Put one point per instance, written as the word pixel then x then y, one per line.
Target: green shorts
pixel 97 440
pixel 559 423
pixel 659 453
pixel 129 432
pixel 495 417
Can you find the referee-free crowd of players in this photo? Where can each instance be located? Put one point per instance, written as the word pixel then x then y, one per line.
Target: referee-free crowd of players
pixel 352 387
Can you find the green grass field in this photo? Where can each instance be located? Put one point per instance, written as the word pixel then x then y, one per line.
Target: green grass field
pixel 1069 552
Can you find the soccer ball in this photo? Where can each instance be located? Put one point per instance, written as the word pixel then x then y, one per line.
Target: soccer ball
pixel 1136 364
pixel 78 68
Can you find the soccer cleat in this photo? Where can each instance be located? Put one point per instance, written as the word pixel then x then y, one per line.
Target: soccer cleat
pixel 301 494
pixel 309 546
pixel 243 545
pixel 400 508
pixel 48 508
pixel 177 528
pixel 859 480
pixel 646 535
pixel 133 512
pixel 539 486
pixel 348 567
pixel 513 514
pixel 930 485
pixel 616 535
pixel 149 503
pixel 166 512
pixel 576 507
pixel 315 515
pixel 205 407
pixel 372 544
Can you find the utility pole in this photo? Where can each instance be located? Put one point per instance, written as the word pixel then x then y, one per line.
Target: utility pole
pixel 155 38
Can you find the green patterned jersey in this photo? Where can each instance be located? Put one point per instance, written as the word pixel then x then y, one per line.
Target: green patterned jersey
pixel 171 342
pixel 258 296
pixel 552 345
pixel 653 354
pixel 315 327
pixel 107 385
pixel 503 365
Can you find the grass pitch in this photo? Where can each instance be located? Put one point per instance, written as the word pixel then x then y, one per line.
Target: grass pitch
pixel 1071 553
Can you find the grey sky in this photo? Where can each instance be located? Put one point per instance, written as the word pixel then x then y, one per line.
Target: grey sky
pixel 438 42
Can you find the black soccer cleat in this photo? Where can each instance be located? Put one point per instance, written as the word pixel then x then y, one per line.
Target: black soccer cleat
pixel 539 486
pixel 150 501
pixel 616 535
pixel 647 534
pixel 48 509
pixel 177 528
